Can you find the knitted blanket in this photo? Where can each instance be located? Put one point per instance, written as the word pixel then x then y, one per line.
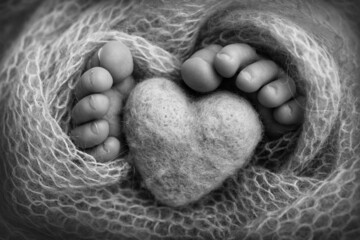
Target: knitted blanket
pixel 305 185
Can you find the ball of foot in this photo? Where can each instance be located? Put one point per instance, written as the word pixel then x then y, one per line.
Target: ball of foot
pixel 185 147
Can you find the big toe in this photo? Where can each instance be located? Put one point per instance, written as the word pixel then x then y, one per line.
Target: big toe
pixel 232 57
pixel 117 59
pixel 198 72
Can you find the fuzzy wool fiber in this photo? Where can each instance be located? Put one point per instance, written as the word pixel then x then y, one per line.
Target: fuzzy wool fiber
pixel 185 147
pixel 305 185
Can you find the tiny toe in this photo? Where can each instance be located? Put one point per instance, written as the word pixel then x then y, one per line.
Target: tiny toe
pixel 117 59
pixel 200 75
pixel 291 113
pixel 277 92
pixel 255 75
pixel 95 80
pixel 207 53
pixel 117 96
pixel 125 87
pixel 198 72
pixel 113 115
pixel 273 128
pixel 231 57
pixel 90 134
pixel 107 151
pixel 90 108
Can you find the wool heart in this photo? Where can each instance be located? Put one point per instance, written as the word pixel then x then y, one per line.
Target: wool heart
pixel 185 146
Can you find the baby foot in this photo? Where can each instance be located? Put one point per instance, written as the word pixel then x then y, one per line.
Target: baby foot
pixel 101 92
pixel 273 92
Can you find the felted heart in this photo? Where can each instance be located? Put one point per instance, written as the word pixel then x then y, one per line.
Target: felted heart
pixel 186 146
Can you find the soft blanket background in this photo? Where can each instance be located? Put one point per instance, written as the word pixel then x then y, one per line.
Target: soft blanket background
pixel 305 185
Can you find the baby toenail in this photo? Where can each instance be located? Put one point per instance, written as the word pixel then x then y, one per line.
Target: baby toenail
pixel 289 111
pixel 224 56
pixel 246 76
pixel 95 128
pixel 99 53
pixel 106 148
pixel 272 90
pixel 92 102
pixel 91 79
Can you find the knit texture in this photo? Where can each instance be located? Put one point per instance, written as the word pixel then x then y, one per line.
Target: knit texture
pixel 302 186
